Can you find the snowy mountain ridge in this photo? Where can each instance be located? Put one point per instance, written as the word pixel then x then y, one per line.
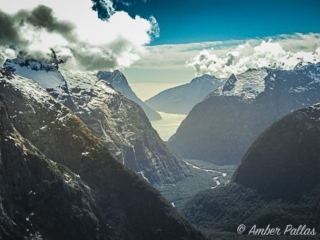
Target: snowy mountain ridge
pixel 247 85
pixel 45 74
pixel 250 84
pixel 120 123
pixel 221 127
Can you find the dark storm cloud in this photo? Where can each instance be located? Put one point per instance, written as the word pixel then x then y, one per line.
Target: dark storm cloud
pixel 91 61
pixel 42 17
pixel 8 30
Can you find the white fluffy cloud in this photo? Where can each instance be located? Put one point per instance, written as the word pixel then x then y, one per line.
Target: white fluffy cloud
pixel 91 43
pixel 283 52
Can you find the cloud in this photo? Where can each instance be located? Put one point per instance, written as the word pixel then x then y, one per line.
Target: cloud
pixel 8 31
pixel 170 56
pixel 282 52
pixel 42 17
pixel 75 33
pixel 167 63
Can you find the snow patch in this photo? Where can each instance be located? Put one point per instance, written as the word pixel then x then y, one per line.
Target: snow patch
pixel 248 85
pixel 85 153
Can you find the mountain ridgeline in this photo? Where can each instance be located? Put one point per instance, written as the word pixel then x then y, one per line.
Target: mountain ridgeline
pixel 181 99
pixel 277 182
pixel 120 123
pixel 119 82
pixel 59 181
pixel 222 127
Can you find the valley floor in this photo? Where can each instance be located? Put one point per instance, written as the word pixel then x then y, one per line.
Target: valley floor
pixel 205 176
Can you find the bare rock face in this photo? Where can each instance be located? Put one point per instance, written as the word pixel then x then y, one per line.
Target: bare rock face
pixel 40 196
pixel 221 128
pixel 59 181
pixel 120 123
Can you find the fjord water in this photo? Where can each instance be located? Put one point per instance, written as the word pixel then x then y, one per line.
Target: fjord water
pixel 168 125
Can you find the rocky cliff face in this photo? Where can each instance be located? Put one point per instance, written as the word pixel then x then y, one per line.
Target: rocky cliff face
pixel 183 98
pixel 277 182
pixel 119 82
pixel 58 181
pixel 120 123
pixel 40 196
pixel 222 127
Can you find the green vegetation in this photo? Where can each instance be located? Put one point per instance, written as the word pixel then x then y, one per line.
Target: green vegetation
pixel 276 184
pixel 224 209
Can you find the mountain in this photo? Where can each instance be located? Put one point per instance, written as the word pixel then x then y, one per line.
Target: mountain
pixel 181 99
pixel 284 161
pixel 223 126
pixel 119 82
pixel 59 181
pixel 277 182
pixel 46 76
pixel 120 123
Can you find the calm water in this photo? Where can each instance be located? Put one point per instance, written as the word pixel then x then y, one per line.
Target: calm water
pixel 168 125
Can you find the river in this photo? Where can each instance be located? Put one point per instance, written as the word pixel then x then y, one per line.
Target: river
pixel 216 179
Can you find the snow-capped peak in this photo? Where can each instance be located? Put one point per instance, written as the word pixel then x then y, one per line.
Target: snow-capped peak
pixel 247 85
pixel 44 73
pixel 114 78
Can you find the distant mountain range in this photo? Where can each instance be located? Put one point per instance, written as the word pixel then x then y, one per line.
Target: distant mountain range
pixel 276 184
pixel 59 181
pixel 181 99
pixel 222 127
pixel 120 123
pixel 119 82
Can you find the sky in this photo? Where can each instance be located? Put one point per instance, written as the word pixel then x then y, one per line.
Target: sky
pixel 186 21
pixel 162 41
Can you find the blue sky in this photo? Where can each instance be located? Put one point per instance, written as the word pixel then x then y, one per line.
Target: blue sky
pixel 185 21
pixel 221 26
